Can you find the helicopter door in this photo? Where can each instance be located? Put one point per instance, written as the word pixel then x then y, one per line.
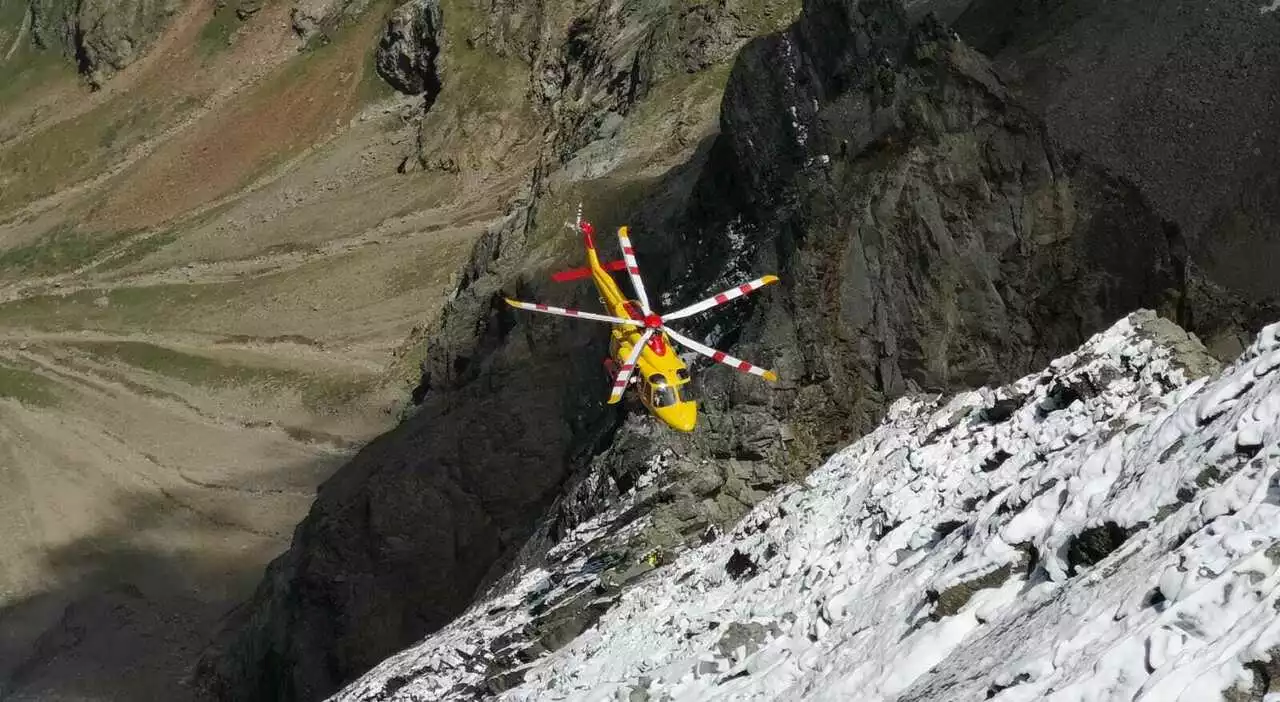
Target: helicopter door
pixel 645 390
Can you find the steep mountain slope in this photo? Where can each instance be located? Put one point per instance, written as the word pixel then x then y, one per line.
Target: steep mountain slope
pixel 618 114
pixel 1194 130
pixel 211 274
pixel 1104 530
pixel 932 234
pixel 223 266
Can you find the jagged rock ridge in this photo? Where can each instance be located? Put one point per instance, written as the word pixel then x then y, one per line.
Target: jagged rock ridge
pixel 408 49
pixel 1119 500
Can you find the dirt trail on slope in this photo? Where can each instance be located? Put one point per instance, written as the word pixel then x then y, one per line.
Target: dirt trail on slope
pixel 21 35
pixel 432 224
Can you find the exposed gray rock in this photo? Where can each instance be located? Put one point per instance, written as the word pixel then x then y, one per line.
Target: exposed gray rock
pixel 1177 98
pixel 1189 352
pixel 408 49
pixel 313 19
pixel 741 640
pixel 1094 544
pixel 1265 674
pixel 248 8
pixel 104 36
pixel 954 598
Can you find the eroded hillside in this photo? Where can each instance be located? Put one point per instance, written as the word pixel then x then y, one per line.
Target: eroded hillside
pixel 224 237
pixel 211 280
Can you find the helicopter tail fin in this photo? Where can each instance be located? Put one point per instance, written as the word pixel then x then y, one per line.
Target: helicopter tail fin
pixel 583 227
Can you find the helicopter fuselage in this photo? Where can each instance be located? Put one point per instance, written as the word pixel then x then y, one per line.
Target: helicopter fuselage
pixel 661 378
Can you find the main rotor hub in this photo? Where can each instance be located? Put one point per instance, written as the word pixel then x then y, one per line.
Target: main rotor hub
pixel 653 321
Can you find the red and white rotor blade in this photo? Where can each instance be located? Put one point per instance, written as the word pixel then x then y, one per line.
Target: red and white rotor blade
pixel 720 356
pixel 624 373
pixel 633 269
pixel 576 314
pixel 722 298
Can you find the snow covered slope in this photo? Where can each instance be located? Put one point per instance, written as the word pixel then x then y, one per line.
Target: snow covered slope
pixel 1105 530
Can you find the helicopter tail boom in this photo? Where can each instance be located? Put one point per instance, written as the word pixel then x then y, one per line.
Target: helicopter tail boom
pixel 585 271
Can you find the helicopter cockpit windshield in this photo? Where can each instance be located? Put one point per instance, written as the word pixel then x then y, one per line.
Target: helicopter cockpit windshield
pixel 663 394
pixel 687 390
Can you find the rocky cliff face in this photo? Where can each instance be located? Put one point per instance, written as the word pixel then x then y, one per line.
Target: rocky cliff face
pixel 1107 501
pixel 102 36
pixel 1176 98
pixel 505 413
pixel 933 230
pixel 932 234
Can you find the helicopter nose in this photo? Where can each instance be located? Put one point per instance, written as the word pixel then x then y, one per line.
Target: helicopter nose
pixel 684 416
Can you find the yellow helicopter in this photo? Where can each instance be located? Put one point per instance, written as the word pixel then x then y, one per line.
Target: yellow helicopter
pixel 640 349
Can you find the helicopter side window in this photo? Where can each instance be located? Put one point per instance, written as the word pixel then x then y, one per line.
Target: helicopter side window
pixel 689 392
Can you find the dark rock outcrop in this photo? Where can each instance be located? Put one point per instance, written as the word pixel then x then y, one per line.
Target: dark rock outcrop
pixel 408 49
pixel 1177 98
pixel 932 235
pixel 103 36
